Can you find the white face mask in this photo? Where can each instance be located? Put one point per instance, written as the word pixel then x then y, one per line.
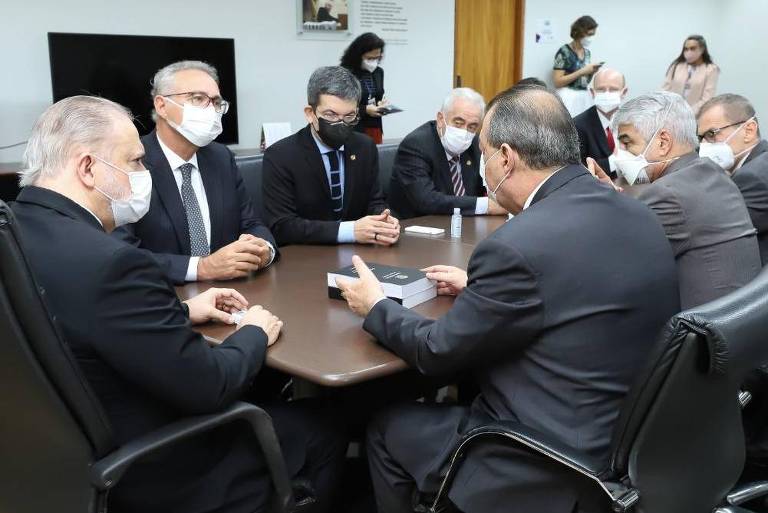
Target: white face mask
pixel 199 125
pixel 370 65
pixel 607 101
pixel 634 167
pixel 133 208
pixel 721 152
pixel 586 41
pixel 456 140
pixel 491 193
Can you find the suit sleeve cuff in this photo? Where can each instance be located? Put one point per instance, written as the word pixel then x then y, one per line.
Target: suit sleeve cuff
pixel 346 233
pixel 192 269
pixel 481 207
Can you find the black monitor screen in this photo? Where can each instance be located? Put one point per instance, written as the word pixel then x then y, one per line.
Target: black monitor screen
pixel 121 68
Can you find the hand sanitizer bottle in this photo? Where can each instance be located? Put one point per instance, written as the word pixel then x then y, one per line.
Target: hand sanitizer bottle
pixel 456 224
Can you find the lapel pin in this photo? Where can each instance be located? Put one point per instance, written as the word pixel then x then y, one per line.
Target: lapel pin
pixel 469 162
pixel 352 157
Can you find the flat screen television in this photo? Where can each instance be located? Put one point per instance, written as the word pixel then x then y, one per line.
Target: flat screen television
pixel 121 68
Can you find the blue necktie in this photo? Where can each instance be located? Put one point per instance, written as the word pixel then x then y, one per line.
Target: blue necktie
pixel 198 241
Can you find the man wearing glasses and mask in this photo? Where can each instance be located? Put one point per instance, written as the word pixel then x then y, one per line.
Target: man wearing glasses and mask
pixel 321 184
pixel 201 225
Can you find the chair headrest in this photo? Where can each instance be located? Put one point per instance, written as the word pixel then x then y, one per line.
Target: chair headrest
pixel 735 326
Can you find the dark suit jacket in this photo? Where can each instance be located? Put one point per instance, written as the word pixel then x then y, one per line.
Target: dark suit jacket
pixel 421 176
pixel 752 180
pixel 122 320
pixel 297 196
pixel 164 231
pixel 708 226
pixel 367 121
pixel 592 139
pixel 554 339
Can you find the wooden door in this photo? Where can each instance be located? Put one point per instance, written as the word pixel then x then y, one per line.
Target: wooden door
pixel 488 45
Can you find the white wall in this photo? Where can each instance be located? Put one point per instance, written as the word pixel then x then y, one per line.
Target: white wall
pixel 272 64
pixel 642 38
pixel 739 45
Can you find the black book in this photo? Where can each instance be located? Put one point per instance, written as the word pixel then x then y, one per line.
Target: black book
pixel 407 286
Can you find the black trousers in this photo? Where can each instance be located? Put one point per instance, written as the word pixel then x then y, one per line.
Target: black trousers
pixel 409 446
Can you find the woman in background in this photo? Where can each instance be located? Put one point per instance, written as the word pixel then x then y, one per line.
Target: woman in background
pixel 573 69
pixel 693 75
pixel 362 57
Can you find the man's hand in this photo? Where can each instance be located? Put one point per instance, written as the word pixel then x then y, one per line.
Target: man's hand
pixel 383 229
pixel 450 280
pixel 258 316
pixel 215 305
pixel 373 111
pixel 494 209
pixel 235 260
pixel 601 175
pixel 363 293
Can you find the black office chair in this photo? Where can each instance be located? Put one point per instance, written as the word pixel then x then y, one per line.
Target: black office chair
pixel 678 446
pixel 251 169
pixel 57 451
pixel 387 153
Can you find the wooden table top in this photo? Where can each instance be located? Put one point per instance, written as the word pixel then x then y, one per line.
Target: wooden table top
pixel 473 228
pixel 322 340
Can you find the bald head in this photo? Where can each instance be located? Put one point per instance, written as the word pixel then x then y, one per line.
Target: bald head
pixel 535 123
pixel 608 79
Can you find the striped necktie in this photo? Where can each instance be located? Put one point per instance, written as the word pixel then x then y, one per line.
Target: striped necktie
pixel 337 195
pixel 456 180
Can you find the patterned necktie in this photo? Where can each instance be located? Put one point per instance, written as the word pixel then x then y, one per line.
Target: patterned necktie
pixel 337 195
pixel 198 241
pixel 458 183
pixel 611 140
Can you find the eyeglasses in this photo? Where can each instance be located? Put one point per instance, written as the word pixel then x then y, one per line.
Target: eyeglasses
pixel 200 99
pixel 710 134
pixel 332 117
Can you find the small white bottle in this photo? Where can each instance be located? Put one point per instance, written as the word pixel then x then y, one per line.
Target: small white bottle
pixel 456 224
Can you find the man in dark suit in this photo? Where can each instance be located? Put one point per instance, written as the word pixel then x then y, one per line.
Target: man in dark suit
pixel 437 165
pixel 201 225
pixel 321 184
pixel 608 88
pixel 702 211
pixel 133 338
pixel 538 319
pixel 730 136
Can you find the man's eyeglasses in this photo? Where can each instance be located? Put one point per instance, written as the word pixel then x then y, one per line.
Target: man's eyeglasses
pixel 332 117
pixel 200 99
pixel 710 134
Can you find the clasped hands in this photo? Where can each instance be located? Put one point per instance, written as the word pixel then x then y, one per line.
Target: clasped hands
pixel 236 260
pixel 382 229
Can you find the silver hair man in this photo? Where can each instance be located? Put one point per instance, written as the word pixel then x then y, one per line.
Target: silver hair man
pixel 651 112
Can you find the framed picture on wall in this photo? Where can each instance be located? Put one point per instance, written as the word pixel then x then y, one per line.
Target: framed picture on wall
pixel 324 19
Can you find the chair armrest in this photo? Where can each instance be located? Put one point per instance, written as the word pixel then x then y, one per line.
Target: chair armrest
pixel 747 492
pixel 515 433
pixel 106 472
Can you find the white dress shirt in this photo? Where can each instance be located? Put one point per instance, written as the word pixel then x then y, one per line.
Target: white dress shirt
pixel 175 163
pixel 481 206
pixel 607 123
pixel 530 198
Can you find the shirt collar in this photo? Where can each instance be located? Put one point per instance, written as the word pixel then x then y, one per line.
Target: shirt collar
pixel 603 119
pixel 174 160
pixel 324 148
pixel 530 198
pixel 744 158
pixel 94 215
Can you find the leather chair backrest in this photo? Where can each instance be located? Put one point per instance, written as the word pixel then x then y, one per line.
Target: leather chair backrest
pixel 679 436
pixel 251 169
pixel 53 426
pixel 387 154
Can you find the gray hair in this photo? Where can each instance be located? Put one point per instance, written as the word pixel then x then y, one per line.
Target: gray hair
pixel 535 123
pixel 735 107
pixel 77 121
pixel 335 81
pixel 162 83
pixel 465 93
pixel 653 111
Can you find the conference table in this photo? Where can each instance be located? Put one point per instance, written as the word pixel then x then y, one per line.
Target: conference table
pixel 322 341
